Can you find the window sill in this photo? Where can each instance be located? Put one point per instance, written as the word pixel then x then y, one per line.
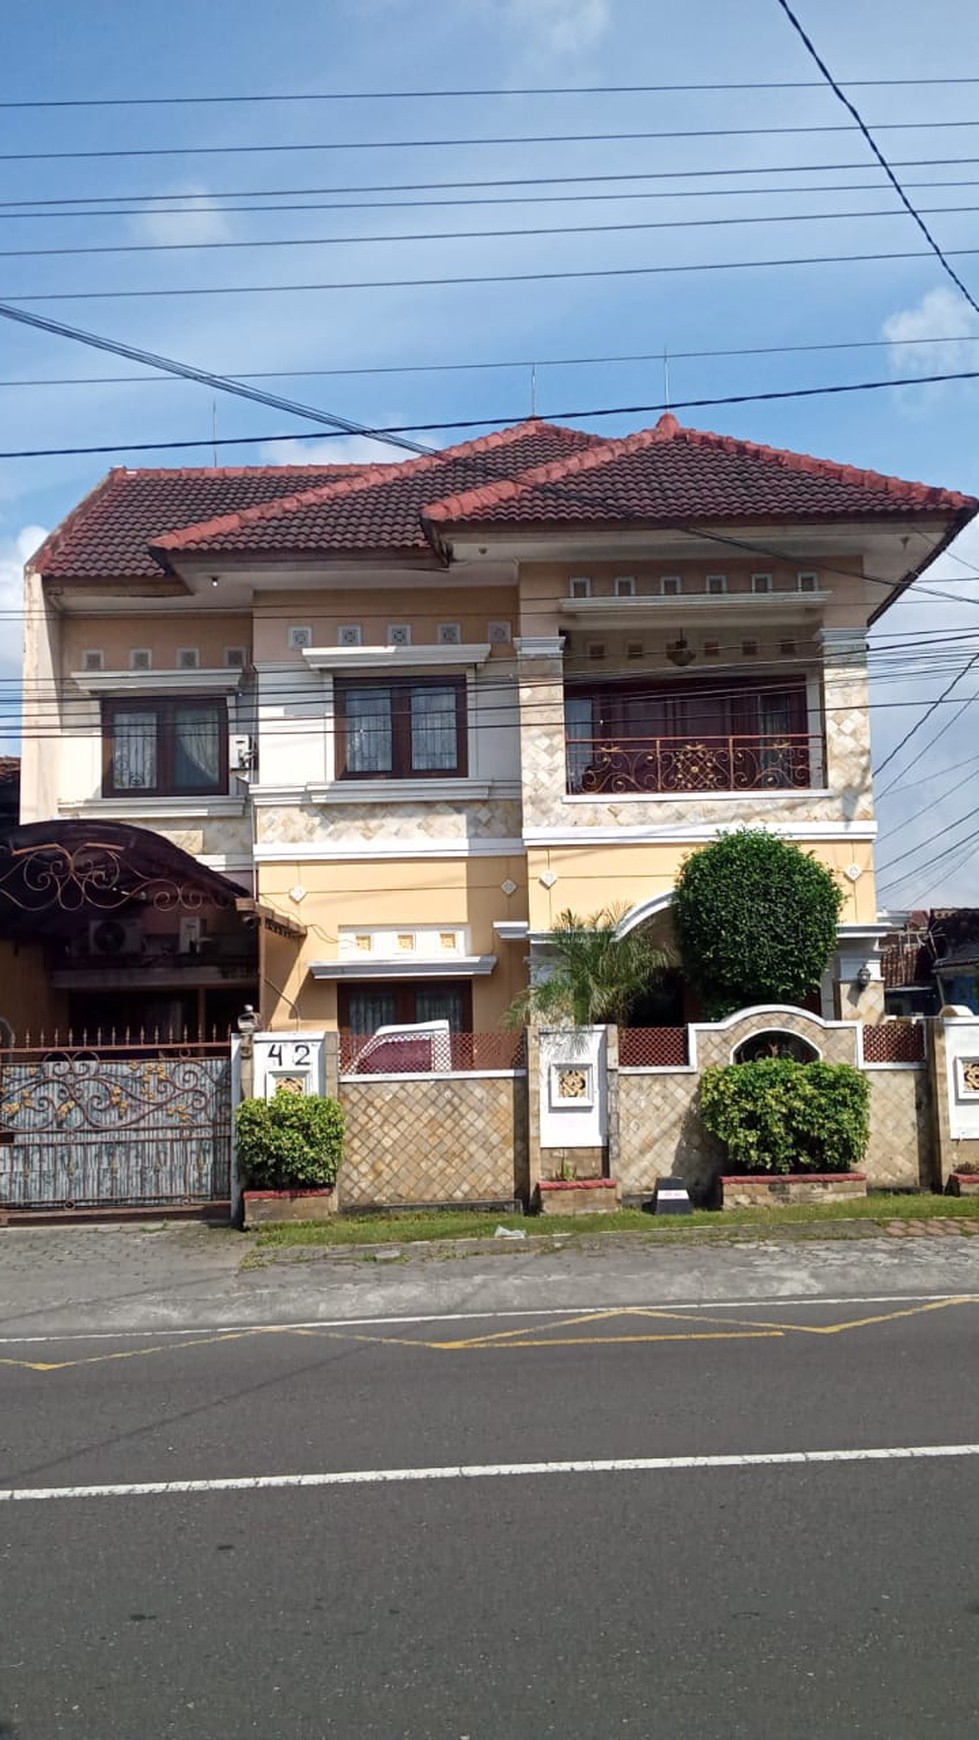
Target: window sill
pixel 771 794
pixel 148 805
pixel 393 791
pixel 152 682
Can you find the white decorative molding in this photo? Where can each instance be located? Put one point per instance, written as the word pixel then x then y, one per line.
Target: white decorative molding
pixel 457 967
pixel 511 929
pixel 402 791
pixel 395 658
pixel 224 681
pixel 327 851
pixel 545 646
pixel 172 809
pixel 683 834
pixel 760 607
pixel 803 793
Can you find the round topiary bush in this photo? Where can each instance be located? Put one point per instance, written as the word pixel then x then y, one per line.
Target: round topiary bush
pixel 755 921
pixel 290 1142
pixel 778 1116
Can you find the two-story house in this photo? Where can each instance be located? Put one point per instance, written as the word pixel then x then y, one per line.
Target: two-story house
pixel 415 711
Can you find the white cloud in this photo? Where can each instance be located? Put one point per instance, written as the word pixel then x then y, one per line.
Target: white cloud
pixel 14 552
pixel 558 27
pixel 199 219
pixel 345 450
pixel 944 316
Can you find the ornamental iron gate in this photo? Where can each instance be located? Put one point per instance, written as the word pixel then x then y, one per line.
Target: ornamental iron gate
pixel 122 1127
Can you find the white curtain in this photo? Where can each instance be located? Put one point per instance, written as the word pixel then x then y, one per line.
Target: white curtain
pixel 369 737
pixel 433 730
pixel 197 748
pixel 135 762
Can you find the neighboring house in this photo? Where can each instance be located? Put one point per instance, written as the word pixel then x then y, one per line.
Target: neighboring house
pixel 417 710
pixel 933 961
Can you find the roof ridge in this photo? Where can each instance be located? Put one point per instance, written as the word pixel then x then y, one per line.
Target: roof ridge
pixel 466 503
pixel 379 475
pixel 603 451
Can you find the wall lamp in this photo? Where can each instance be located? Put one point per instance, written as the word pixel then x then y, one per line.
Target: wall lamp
pixel 864 977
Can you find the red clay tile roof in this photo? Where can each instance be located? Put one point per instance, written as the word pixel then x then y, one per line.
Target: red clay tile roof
pixel 384 507
pixel 672 475
pixel 137 523
pixel 107 536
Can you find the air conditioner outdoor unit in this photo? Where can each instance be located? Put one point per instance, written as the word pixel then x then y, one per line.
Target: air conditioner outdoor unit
pixel 114 936
pixel 241 754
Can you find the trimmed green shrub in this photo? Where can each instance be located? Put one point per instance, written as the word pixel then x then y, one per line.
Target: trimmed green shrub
pixel 776 1115
pixel 755 920
pixel 290 1142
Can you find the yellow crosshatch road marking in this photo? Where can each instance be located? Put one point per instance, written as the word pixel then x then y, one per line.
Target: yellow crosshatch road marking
pixel 613 1326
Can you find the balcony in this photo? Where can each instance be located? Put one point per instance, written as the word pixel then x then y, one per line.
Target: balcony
pixel 654 766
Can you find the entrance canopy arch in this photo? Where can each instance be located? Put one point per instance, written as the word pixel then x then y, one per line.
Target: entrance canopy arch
pixel 114 928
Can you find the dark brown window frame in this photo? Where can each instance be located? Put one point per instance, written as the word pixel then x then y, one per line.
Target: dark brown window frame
pixel 401 689
pixel 165 707
pixel 405 992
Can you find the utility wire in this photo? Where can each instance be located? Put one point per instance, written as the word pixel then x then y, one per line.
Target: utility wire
pixel 852 110
pixel 480 91
pixel 400 429
pixel 465 142
pixel 782 218
pixel 495 181
pixel 206 205
pixel 220 383
pixel 443 283
pixel 923 721
pixel 552 362
pixel 947 726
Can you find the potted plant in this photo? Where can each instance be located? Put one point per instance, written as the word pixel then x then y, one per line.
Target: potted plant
pixel 965 1179
pixel 794 1132
pixel 289 1149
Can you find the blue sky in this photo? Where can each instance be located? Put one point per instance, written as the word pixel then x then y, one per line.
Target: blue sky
pixel 63 51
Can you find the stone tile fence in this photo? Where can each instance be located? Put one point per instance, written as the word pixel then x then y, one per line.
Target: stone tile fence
pixel 465 1134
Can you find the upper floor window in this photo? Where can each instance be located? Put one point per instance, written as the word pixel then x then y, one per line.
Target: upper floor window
pixel 406 729
pixel 164 748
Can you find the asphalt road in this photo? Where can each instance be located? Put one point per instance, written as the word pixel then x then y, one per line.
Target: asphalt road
pixel 685 1599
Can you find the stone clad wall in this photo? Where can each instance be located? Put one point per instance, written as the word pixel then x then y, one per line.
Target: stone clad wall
pixel 433 1140
pixel 900 1153
pixel 660 1133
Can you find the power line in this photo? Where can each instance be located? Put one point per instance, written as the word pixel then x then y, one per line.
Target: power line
pixel 206 205
pixel 481 91
pixel 467 235
pixel 495 181
pixel 478 278
pixel 923 721
pixel 473 140
pixel 543 362
pixel 851 109
pixel 219 383
pixel 398 429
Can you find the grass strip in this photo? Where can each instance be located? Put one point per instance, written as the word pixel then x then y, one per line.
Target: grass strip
pixel 403 1229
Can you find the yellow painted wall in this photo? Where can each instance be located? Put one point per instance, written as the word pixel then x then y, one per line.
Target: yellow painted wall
pixel 406 892
pixel 116 636
pixel 375 609
pixel 544 584
pixel 593 878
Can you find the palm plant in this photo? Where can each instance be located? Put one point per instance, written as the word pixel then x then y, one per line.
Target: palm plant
pixel 593 975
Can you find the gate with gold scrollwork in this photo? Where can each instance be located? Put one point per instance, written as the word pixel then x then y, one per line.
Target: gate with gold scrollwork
pixel 123 1127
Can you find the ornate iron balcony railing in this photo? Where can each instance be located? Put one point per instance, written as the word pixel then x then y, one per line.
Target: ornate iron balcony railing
pixel 608 767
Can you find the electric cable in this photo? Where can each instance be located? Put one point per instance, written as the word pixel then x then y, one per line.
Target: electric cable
pixel 854 112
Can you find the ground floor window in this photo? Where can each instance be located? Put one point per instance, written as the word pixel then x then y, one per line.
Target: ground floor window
pixel 364 1008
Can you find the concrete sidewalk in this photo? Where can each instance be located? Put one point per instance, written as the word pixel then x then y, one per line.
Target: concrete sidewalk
pixel 143 1277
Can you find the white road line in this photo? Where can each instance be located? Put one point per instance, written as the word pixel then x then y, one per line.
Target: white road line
pixel 484 1471
pixel 811 1301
